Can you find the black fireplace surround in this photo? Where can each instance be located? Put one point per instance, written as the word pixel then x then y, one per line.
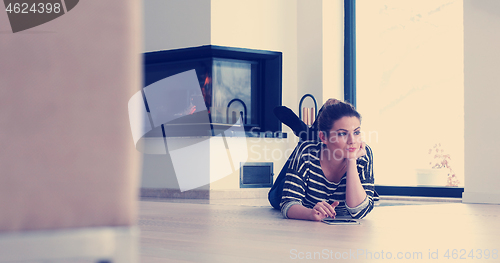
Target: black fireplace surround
pixel 239 87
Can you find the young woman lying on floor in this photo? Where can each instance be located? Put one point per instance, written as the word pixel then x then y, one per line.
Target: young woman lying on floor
pixel 330 171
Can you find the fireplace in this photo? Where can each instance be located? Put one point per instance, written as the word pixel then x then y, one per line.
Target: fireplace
pixel 236 87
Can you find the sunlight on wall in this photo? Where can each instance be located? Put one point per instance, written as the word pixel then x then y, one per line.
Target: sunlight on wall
pixel 410 84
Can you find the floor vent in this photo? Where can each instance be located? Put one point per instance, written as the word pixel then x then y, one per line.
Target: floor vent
pixel 256 175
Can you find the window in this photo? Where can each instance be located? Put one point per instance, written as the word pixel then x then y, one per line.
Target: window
pixel 409 67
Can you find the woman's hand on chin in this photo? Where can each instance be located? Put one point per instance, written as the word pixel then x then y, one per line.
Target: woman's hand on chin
pixel 361 151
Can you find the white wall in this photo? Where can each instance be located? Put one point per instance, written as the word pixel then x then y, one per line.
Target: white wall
pixel 261 24
pixel 308 32
pixel 333 49
pixel 482 92
pixel 310 49
pixel 175 24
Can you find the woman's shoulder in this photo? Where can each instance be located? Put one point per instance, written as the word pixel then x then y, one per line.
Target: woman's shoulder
pixel 304 151
pixel 309 146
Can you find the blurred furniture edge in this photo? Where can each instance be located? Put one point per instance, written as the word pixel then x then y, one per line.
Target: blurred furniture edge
pixel 69 170
pixel 104 244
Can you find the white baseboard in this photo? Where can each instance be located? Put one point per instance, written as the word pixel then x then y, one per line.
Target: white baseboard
pixel 480 198
pixel 242 193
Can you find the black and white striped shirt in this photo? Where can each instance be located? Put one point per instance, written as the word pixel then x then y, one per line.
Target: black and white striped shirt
pixel 306 184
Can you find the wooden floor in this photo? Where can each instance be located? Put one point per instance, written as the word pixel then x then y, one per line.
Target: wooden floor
pixel 251 231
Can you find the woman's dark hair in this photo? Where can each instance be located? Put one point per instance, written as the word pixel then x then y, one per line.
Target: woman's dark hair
pixel 332 111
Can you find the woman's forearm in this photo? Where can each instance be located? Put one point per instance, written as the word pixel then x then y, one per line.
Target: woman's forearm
pixel 299 212
pixel 354 192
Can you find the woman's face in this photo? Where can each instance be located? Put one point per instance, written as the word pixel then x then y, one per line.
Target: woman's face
pixel 344 138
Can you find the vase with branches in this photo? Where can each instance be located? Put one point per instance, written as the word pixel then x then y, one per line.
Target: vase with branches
pixel 440 159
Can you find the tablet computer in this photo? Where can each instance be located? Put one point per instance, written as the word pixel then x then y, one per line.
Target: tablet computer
pixel 339 221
